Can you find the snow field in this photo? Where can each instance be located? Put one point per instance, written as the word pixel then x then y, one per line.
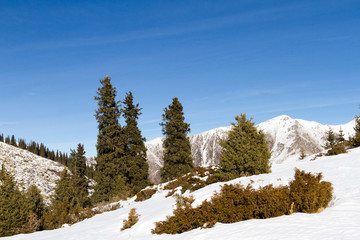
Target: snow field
pixel 339 221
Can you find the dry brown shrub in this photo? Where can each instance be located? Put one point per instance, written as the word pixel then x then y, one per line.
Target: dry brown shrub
pixel 237 203
pixel 132 219
pixel 145 194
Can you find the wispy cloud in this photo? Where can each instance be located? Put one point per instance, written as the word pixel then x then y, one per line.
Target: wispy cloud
pixel 312 106
pixel 191 27
pixel 7 123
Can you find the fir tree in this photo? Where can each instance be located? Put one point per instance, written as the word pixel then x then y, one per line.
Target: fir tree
pixel 135 169
pixel 330 139
pixel 110 145
pixel 355 140
pixel 79 179
pixel 245 151
pixel 13 211
pixel 177 149
pixel 79 160
pixel 34 201
pixel 335 143
pixel 13 141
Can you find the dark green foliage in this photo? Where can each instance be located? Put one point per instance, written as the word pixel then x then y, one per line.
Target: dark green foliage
pixel 135 167
pixel 245 151
pixel 13 210
pixel 177 149
pixel 34 201
pixel 330 139
pixel 70 198
pixel 145 194
pixel 78 160
pixel 132 219
pixel 355 140
pixel 236 203
pixel 309 193
pixel 335 143
pixel 110 145
pixel 13 141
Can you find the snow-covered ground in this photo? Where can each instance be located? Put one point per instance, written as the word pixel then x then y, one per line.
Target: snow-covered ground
pixel 339 221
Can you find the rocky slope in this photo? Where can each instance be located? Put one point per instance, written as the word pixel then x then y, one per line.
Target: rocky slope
pixel 29 169
pixel 286 137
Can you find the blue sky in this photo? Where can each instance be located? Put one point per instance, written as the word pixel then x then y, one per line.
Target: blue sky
pixel 220 58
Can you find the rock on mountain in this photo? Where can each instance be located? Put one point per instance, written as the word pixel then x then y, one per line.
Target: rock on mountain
pixel 286 137
pixel 30 169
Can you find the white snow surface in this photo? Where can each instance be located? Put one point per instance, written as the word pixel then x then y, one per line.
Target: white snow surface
pixel 339 221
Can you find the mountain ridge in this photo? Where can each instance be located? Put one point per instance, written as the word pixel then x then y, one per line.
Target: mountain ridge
pixel 286 137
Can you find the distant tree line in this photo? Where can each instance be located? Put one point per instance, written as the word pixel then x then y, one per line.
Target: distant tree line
pixel 41 150
pixel 37 148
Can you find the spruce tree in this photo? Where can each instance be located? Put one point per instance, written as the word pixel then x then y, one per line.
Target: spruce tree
pixel 13 211
pixel 34 201
pixel 79 179
pixel 355 140
pixel 330 139
pixel 135 168
pixel 110 145
pixel 245 151
pixel 13 141
pixel 177 149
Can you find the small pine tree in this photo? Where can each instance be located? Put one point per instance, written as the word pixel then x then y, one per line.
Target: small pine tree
pixel 302 154
pixel 335 143
pixel 79 179
pixel 177 149
pixel 330 139
pixel 135 169
pixel 245 151
pixel 355 140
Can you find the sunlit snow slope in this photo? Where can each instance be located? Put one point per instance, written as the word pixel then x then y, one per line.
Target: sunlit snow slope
pixel 29 169
pixel 339 221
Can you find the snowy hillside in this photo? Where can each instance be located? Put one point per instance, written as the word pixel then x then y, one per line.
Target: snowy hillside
pixel 29 169
pixel 339 221
pixel 286 137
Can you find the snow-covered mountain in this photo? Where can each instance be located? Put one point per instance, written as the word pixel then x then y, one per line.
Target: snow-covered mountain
pixel 286 137
pixel 29 169
pixel 339 221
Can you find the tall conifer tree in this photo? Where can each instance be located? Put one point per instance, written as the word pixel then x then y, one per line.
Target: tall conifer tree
pixel 177 149
pixel 135 166
pixel 110 144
